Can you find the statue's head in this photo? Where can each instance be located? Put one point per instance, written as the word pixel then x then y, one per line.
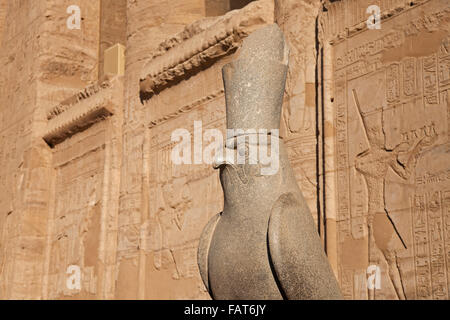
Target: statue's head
pixel 254 88
pixel 248 162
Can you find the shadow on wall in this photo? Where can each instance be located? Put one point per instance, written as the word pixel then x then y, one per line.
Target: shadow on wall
pixel 220 7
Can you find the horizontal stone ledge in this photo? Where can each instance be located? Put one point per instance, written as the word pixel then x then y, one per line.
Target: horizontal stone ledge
pixel 83 113
pixel 60 133
pixel 85 93
pixel 200 45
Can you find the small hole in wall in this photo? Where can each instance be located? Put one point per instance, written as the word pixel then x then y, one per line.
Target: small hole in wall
pixel 238 4
pixel 220 7
pixel 332 99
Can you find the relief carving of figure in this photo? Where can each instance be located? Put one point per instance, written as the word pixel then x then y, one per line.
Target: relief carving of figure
pixel 373 164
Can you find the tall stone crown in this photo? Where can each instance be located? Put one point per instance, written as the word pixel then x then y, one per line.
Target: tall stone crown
pixel 254 83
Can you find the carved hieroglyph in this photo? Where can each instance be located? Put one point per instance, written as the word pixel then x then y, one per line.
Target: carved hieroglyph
pixel 390 102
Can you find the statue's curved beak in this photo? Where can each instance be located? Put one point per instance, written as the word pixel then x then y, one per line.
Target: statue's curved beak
pixel 220 161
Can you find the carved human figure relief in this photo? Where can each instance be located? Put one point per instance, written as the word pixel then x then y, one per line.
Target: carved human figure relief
pixel 373 165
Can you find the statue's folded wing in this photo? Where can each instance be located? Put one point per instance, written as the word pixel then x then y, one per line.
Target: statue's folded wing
pixel 203 249
pixel 296 254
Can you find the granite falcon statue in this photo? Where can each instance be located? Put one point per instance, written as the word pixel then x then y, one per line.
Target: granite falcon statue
pixel 264 245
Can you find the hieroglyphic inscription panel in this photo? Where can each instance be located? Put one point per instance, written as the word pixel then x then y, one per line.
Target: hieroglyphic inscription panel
pixel 392 154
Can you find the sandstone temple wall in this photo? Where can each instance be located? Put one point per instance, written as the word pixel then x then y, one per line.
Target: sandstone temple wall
pixel 24 200
pixel 2 19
